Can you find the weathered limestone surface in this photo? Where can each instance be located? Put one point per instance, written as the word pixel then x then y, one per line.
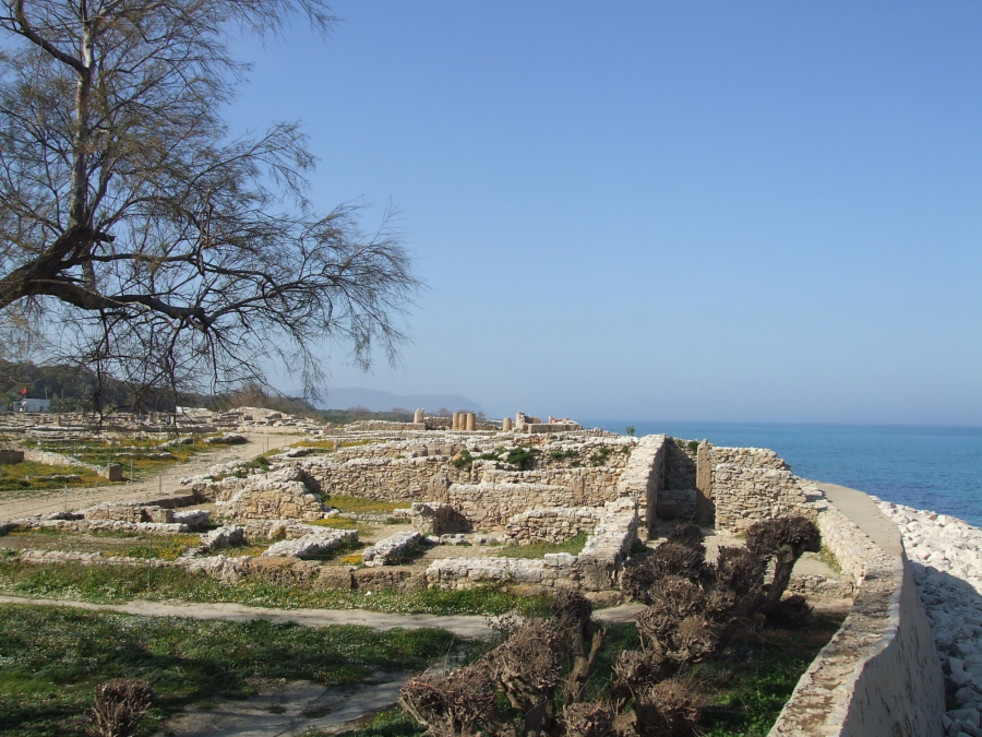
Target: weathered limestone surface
pixel 946 560
pixel 488 506
pixel 437 518
pixel 677 503
pixel 323 540
pixel 129 512
pixel 277 495
pixel 641 478
pixel 392 549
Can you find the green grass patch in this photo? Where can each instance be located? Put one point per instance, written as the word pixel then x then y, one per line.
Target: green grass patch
pixel 54 657
pixel 122 544
pixel 114 584
pixel 362 505
pixel 573 546
pixel 744 690
pixel 389 723
pixel 31 476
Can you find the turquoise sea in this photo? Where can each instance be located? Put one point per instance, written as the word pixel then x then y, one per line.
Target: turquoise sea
pixel 936 468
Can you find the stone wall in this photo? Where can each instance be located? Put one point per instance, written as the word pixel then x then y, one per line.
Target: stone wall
pixel 423 478
pixel 879 675
pixel 583 487
pixel 643 477
pixel 553 525
pixel 752 484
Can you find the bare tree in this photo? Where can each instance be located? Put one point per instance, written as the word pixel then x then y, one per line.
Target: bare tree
pixel 137 235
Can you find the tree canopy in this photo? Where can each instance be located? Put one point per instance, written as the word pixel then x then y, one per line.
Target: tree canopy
pixel 138 236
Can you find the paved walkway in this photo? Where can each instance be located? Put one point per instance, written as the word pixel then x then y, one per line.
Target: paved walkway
pixel 861 509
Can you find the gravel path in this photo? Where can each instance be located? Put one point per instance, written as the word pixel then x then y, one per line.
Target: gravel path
pixel 946 558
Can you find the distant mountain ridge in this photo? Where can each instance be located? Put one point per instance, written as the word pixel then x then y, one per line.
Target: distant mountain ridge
pixel 376 400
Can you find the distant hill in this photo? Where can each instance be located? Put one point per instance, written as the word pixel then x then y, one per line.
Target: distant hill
pixel 344 397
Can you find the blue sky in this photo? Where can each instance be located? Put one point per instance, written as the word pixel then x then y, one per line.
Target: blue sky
pixel 707 211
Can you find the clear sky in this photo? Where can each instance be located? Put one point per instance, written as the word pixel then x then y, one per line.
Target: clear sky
pixel 708 211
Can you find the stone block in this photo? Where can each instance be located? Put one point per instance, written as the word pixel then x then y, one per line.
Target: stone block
pixel 113 472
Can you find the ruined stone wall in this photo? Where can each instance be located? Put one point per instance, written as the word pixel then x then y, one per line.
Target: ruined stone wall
pixel 879 675
pixel 423 478
pixel 488 506
pixel 642 478
pixel 750 485
pixel 584 487
pixel 553 525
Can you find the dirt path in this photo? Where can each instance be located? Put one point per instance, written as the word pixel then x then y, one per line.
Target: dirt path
pixel 168 482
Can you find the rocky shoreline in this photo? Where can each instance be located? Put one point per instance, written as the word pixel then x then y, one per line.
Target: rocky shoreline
pixel 946 557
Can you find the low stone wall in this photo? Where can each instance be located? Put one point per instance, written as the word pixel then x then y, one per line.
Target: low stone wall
pixel 582 487
pixel 554 571
pixel 553 525
pixel 879 675
pixel 750 485
pixel 488 506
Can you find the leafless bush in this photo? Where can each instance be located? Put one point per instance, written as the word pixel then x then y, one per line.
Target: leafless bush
pixel 688 535
pixel 642 574
pixel 667 709
pixel 784 540
pixel 119 706
pixel 588 720
pixel 457 705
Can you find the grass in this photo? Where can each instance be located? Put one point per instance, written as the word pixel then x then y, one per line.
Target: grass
pixel 115 584
pixel 363 505
pixel 123 544
pixel 31 476
pixel 745 689
pixel 140 457
pixel 54 657
pixel 573 546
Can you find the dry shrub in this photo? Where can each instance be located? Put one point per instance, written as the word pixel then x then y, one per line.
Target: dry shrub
pixel 119 706
pixel 667 709
pixel 784 540
pixel 740 571
pixel 637 671
pixel 572 612
pixel 688 535
pixel 588 720
pixel 643 574
pixel 529 663
pixel 455 705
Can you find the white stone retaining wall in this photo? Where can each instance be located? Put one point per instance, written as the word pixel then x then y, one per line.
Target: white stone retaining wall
pixel 879 675
pixel 750 485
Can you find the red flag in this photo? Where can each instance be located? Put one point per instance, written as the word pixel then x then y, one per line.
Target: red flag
pixel 23 391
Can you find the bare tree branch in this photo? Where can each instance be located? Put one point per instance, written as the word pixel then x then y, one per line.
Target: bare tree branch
pixel 128 214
